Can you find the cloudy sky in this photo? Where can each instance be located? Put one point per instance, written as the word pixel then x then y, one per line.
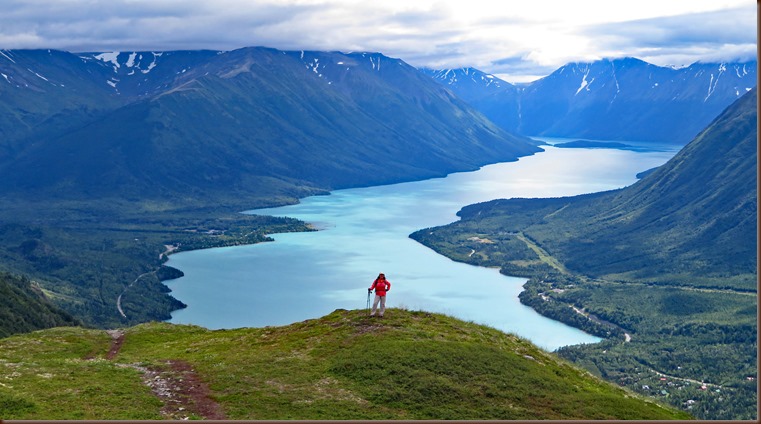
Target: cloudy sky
pixel 518 40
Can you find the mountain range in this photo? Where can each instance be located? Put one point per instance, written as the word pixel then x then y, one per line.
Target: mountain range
pixel 609 99
pixel 256 123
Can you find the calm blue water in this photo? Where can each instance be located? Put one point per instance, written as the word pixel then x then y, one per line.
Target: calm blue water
pixel 365 231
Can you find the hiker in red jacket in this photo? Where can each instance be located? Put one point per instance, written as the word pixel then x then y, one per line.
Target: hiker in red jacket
pixel 381 286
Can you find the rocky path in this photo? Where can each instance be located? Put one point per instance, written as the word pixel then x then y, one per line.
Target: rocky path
pixel 176 384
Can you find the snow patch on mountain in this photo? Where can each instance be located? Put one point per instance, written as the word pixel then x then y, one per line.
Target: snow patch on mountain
pixel 374 64
pixel 131 60
pixel 584 83
pixel 715 81
pixel 454 76
pixel 7 57
pixel 153 64
pixel 38 75
pixel 135 61
pixel 110 57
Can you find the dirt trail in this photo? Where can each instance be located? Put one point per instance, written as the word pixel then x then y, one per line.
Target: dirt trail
pixel 175 383
pixel 117 340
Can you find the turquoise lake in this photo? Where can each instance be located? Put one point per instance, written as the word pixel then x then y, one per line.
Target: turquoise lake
pixel 365 231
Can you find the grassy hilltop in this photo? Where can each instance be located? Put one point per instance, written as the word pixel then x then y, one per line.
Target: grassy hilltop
pixel 408 365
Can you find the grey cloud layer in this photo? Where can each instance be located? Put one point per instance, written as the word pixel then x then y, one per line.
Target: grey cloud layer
pixel 716 35
pixel 433 37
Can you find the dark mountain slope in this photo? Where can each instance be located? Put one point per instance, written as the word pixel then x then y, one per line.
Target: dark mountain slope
pixel 498 100
pixel 693 217
pixel 46 92
pixel 24 309
pixel 698 209
pixel 261 122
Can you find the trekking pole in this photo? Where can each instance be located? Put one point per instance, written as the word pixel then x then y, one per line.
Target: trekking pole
pixel 368 302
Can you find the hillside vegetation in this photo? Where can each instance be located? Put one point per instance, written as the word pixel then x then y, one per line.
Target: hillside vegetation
pixel 24 309
pixel 666 269
pixel 346 365
pixel 90 267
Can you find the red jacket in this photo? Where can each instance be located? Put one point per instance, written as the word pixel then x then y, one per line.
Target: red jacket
pixel 381 286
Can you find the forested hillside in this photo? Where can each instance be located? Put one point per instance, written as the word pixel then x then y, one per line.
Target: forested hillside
pixel 666 269
pixel 24 308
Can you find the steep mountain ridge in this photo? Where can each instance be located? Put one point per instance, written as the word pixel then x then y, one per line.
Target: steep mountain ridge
pixel 711 184
pixel 613 99
pixel 698 210
pixel 470 83
pixel 498 100
pixel 142 74
pixel 258 123
pixel 46 92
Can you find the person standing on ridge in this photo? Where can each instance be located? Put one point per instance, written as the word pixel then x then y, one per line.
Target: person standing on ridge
pixel 381 286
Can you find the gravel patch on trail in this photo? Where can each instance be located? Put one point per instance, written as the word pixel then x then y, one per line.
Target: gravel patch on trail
pixel 176 384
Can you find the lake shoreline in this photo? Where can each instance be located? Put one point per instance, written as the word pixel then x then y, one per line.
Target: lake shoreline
pixel 405 276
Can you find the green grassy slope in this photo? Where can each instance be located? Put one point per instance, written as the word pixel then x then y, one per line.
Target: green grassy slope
pixel 409 365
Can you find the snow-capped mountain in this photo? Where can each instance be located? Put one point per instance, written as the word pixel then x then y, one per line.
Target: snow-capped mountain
pixel 495 98
pixel 618 99
pixel 470 83
pixel 252 122
pixel 140 74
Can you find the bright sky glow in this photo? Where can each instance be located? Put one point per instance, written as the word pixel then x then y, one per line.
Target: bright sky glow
pixel 517 40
